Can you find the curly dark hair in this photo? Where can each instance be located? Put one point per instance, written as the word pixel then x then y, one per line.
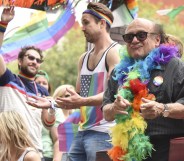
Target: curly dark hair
pixel 25 49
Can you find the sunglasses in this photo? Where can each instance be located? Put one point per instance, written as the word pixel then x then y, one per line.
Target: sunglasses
pixel 141 36
pixel 32 58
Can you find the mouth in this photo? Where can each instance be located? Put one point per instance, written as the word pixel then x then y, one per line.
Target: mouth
pixel 135 47
pixel 33 68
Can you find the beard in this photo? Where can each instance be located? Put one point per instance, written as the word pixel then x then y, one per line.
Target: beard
pixel 89 38
pixel 25 70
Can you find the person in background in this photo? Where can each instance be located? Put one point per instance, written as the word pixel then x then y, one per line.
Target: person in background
pixel 16 90
pixel 42 79
pixel 147 88
pixel 50 136
pixel 171 39
pixel 62 92
pixel 15 142
pixel 72 117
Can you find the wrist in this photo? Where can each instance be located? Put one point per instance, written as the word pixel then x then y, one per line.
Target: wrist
pixel 53 104
pixel 3 26
pixel 52 108
pixel 112 110
pixel 165 112
pixel 51 111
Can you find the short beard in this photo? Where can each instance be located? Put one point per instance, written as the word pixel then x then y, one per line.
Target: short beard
pixel 26 72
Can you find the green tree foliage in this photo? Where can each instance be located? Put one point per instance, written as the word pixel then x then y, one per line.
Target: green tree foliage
pixel 148 10
pixel 61 61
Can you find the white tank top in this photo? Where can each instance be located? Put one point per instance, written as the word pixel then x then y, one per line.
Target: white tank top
pixel 25 152
pixel 94 82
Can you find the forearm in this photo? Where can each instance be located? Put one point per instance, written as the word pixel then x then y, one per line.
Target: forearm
pixel 3 26
pixel 48 117
pixel 108 112
pixel 2 63
pixel 95 100
pixel 57 154
pixel 1 37
pixel 176 110
pixel 2 66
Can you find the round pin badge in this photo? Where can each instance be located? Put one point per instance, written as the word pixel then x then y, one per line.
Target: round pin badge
pixel 158 80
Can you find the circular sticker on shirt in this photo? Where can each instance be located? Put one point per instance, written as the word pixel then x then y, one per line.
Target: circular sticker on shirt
pixel 158 80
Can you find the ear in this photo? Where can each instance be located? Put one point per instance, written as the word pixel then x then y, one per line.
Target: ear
pixel 19 62
pixel 102 23
pixel 157 40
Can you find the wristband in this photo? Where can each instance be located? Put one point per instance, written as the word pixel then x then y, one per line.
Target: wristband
pixel 53 104
pixel 52 109
pixel 3 26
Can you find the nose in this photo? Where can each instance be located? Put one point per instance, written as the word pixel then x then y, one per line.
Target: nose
pixel 135 39
pixel 83 28
pixel 35 61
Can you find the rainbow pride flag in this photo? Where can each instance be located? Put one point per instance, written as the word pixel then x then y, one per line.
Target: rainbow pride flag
pixel 173 13
pixel 68 130
pixel 38 33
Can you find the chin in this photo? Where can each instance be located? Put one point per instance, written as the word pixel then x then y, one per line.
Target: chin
pixel 32 74
pixel 136 56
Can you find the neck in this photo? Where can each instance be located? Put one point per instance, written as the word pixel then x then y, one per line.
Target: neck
pixel 14 154
pixel 25 76
pixel 66 113
pixel 102 44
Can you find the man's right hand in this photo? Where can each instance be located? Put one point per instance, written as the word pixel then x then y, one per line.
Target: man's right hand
pixel 7 14
pixel 40 102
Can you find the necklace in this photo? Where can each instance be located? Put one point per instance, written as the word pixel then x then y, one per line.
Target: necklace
pixel 128 138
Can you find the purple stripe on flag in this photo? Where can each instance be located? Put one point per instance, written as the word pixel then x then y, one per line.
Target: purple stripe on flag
pixel 68 130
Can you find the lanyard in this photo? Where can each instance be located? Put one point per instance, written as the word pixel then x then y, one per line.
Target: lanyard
pixel 35 87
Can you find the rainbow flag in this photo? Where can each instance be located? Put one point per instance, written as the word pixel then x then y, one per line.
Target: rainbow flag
pixel 68 130
pixel 38 33
pixel 173 13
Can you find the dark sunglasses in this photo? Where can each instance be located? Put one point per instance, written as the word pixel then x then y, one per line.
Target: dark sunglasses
pixel 141 36
pixel 30 57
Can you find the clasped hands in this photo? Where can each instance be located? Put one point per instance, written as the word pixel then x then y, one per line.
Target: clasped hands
pixel 149 109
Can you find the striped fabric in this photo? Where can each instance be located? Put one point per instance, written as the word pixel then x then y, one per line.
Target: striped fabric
pixel 90 85
pixel 68 130
pixel 13 97
pixel 38 33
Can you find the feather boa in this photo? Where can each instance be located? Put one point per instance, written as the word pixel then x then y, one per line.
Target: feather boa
pixel 128 138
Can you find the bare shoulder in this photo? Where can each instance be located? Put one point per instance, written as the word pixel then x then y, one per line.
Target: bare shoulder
pixel 116 48
pixel 82 57
pixel 114 52
pixel 32 156
pixel 81 60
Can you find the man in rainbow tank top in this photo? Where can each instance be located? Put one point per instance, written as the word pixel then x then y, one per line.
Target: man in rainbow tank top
pixel 16 90
pixel 94 69
pixel 145 95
